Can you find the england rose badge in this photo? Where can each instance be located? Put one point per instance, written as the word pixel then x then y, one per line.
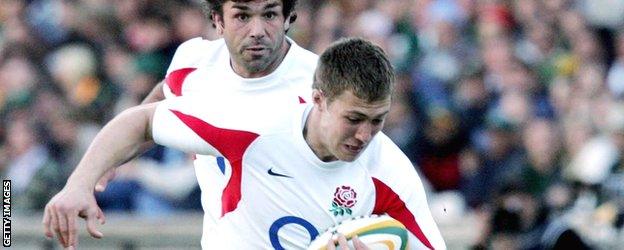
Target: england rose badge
pixel 344 199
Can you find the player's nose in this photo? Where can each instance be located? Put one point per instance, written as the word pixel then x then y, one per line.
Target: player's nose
pixel 364 133
pixel 257 28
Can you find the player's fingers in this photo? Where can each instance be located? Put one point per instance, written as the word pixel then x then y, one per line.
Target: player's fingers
pixel 358 244
pixel 55 225
pixel 61 240
pixel 63 226
pixel 100 186
pixel 71 224
pixel 91 226
pixel 75 245
pixel 342 242
pixel 100 216
pixel 46 222
pixel 331 244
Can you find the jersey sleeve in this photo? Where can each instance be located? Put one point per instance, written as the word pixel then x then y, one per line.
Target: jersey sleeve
pixel 184 61
pixel 179 123
pixel 188 54
pixel 400 194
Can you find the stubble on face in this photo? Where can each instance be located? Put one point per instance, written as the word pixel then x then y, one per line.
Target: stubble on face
pixel 257 43
pixel 259 55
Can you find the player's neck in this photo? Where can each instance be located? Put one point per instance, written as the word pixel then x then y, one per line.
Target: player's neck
pixel 312 136
pixel 245 73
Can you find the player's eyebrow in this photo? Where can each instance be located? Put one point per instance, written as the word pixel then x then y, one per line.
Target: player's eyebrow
pixel 271 5
pixel 240 7
pixel 360 114
pixel 245 7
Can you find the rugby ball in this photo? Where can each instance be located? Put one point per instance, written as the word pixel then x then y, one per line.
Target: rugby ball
pixel 376 232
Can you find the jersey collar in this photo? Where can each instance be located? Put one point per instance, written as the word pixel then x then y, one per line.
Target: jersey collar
pixel 264 81
pixel 304 148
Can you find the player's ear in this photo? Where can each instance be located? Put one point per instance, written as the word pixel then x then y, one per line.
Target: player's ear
pixel 290 19
pixel 218 21
pixel 318 99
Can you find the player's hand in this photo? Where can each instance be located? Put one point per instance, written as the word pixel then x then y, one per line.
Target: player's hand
pixel 60 214
pixel 343 245
pixel 100 186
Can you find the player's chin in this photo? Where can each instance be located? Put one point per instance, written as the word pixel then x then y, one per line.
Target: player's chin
pixel 256 64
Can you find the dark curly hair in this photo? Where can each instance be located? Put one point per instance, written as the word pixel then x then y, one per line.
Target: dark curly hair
pixel 216 6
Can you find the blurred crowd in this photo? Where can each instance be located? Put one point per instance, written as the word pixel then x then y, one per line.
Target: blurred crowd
pixel 511 110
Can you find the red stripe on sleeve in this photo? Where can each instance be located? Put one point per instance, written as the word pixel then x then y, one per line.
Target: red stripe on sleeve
pixel 175 79
pixel 389 202
pixel 232 144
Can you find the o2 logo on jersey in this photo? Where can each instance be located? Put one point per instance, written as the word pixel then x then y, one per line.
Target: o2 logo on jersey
pixel 281 222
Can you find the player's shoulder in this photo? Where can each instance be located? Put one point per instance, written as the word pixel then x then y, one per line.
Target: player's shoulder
pixel 304 58
pixel 386 162
pixel 199 44
pixel 382 153
pixel 388 148
pixel 304 54
pixel 192 52
pixel 381 146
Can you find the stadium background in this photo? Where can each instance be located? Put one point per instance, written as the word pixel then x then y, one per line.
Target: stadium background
pixel 513 111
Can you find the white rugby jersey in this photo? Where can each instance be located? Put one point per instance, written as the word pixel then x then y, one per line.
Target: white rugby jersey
pixel 295 72
pixel 279 194
pixel 202 68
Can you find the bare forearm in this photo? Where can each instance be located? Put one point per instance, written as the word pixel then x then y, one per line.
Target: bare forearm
pixel 156 94
pixel 119 141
